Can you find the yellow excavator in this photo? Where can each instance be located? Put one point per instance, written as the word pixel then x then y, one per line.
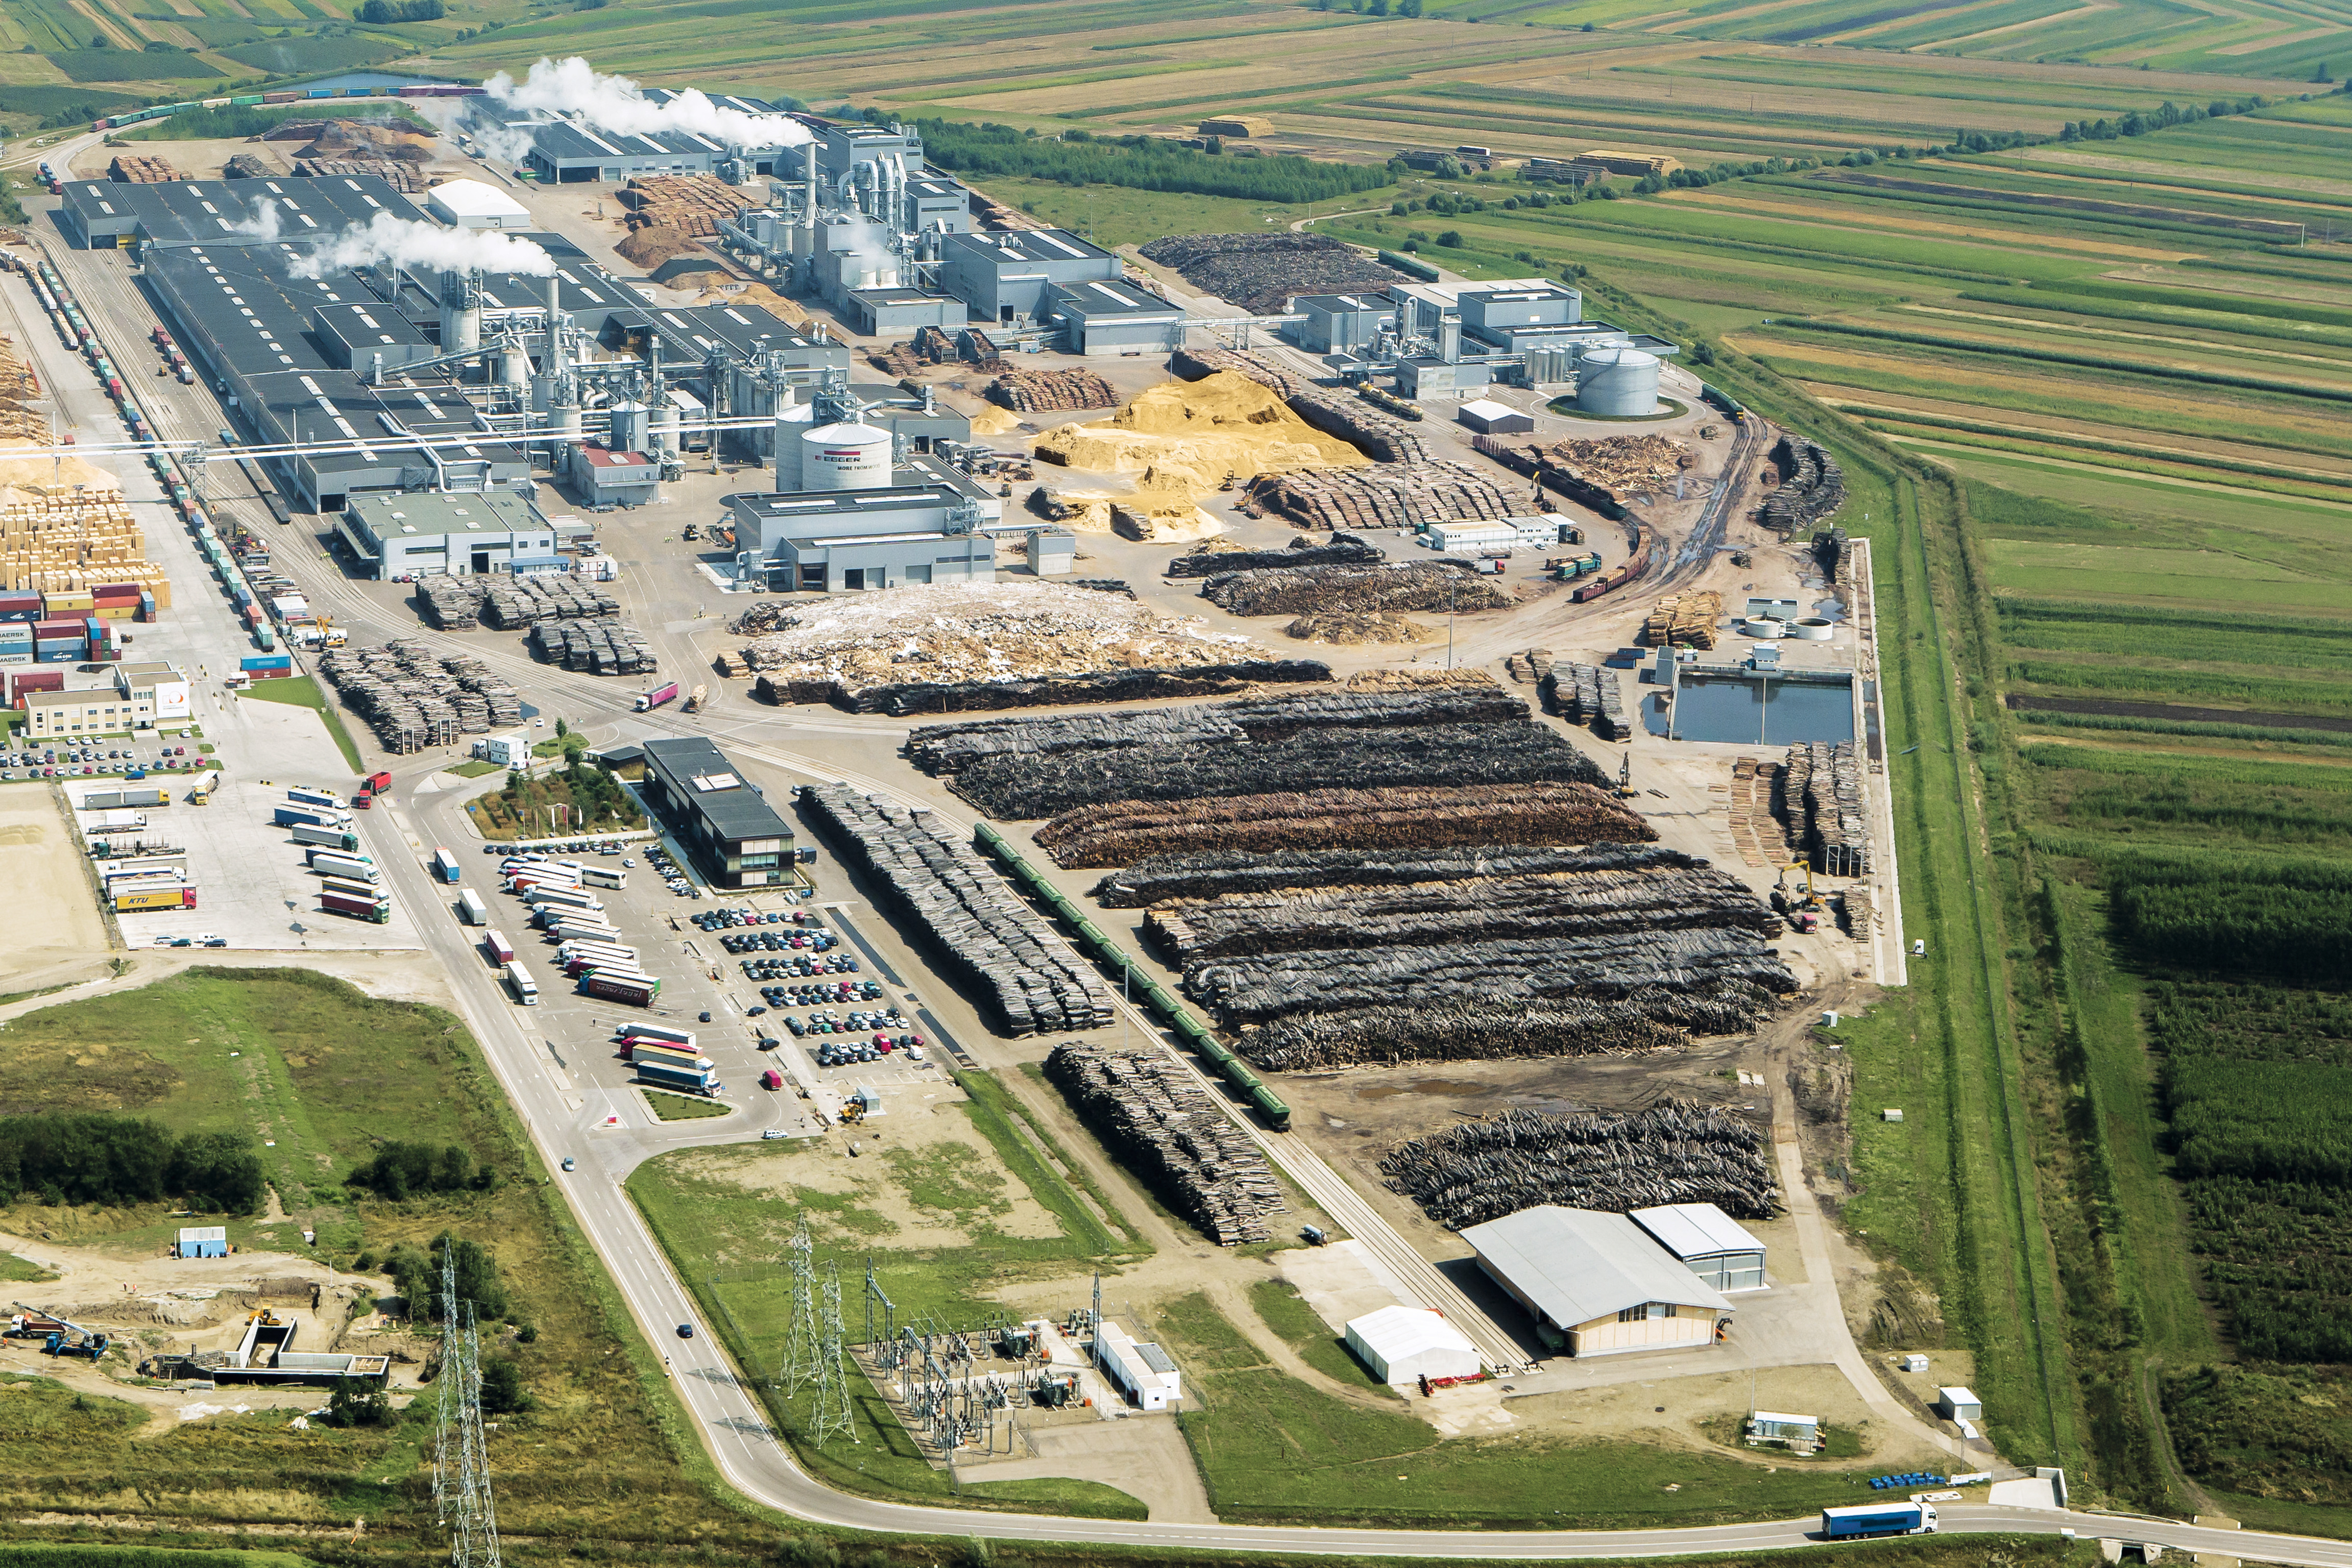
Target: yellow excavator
pixel 1804 913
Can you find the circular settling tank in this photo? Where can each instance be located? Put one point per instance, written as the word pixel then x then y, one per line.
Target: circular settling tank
pixel 1812 629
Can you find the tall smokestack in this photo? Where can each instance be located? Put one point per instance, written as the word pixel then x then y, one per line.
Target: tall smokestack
pixel 809 214
pixel 554 363
pixel 461 311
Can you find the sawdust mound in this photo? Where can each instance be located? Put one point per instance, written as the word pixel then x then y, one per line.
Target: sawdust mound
pixel 1188 435
pixel 54 475
pixel 649 247
pixel 764 297
pixel 1349 628
pixel 994 420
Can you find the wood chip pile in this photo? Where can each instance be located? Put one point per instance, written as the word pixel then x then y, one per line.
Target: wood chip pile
pixel 1215 873
pixel 1404 496
pixel 134 169
pixel 1340 549
pixel 1589 694
pixel 1675 1152
pixel 1158 1117
pixel 1683 619
pixel 1019 788
pixel 1260 272
pixel 604 647
pixel 1378 436
pixel 996 944
pixel 1812 486
pixel 414 695
pixel 1426 817
pixel 1640 990
pixel 1393 587
pixel 1548 905
pixel 1049 391
pixel 951 649
pixel 1820 791
pixel 692 204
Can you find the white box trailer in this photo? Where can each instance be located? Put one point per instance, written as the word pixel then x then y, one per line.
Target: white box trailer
pixel 471 909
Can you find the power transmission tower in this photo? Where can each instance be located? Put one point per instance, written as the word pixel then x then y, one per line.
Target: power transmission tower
pixel 832 1417
pixel 800 1338
pixel 461 1467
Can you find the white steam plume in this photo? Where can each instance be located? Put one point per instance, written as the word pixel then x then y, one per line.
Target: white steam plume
pixel 614 103
pixel 402 243
pixel 262 225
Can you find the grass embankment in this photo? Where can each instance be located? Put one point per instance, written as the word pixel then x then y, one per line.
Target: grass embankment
pixel 301 691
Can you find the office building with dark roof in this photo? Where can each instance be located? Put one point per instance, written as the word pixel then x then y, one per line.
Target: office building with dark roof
pixel 724 822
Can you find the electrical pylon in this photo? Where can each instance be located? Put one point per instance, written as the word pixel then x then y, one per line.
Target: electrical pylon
pixel 461 1466
pixel 832 1417
pixel 802 1337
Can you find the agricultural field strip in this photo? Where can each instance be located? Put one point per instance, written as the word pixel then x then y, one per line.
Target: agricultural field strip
pixel 1950 453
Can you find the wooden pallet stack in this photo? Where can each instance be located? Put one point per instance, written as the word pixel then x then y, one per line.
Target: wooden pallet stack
pixel 1683 619
pixel 70 532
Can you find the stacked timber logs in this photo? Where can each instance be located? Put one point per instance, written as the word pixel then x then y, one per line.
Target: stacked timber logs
pixel 691 203
pixel 511 603
pixel 1405 495
pixel 997 943
pixel 1455 754
pixel 1342 549
pixel 605 647
pixel 451 603
pixel 1529 665
pixel 1413 678
pixel 1472 909
pixel 1855 911
pixel 1683 619
pixel 414 697
pixel 1812 486
pixel 1446 1029
pixel 132 168
pixel 1118 831
pixel 1822 791
pixel 1589 694
pixel 1263 719
pixel 1392 588
pixel 1676 1151
pixel 1049 391
pixel 1214 872
pixel 1157 1114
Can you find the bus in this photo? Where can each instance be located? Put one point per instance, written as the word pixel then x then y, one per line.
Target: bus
pixel 598 877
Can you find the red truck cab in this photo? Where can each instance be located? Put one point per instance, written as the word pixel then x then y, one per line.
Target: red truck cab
pixel 372 786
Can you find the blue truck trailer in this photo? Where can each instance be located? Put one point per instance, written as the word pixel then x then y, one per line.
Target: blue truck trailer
pixel 1870 1518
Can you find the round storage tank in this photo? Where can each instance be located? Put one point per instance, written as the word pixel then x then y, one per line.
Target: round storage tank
pixel 791 423
pixel 845 457
pixel 1813 630
pixel 1622 382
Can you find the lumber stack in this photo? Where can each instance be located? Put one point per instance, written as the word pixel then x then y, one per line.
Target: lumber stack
pixel 599 647
pixel 1406 496
pixel 692 204
pixel 1213 872
pixel 1389 588
pixel 1821 795
pixel 1429 817
pixel 135 169
pixel 1529 665
pixel 1676 1151
pixel 1157 1115
pixel 1448 754
pixel 1812 486
pixel 414 695
pixel 1683 619
pixel 998 945
pixel 1589 694
pixel 1049 391
pixel 54 540
pixel 1342 548
pixel 1545 904
pixel 451 603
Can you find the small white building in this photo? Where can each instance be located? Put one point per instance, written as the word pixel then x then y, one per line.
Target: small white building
pixel 1137 1368
pixel 1959 1405
pixel 504 750
pixel 471 205
pixel 1404 1345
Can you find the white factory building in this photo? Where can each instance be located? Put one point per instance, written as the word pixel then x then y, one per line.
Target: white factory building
pixel 1708 1242
pixel 1137 1368
pixel 1597 1283
pixel 472 204
pixel 1401 1346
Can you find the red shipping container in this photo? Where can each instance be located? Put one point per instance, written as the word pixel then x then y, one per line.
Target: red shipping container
pixel 115 590
pixel 71 626
pixel 22 681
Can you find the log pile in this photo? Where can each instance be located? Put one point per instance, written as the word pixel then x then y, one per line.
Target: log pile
pixel 513 603
pixel 1675 1152
pixel 1589 694
pixel 602 647
pixel 134 169
pixel 1413 678
pixel 1214 872
pixel 1855 912
pixel 1451 754
pixel 402 177
pixel 691 203
pixel 1393 587
pixel 1050 392
pixel 995 943
pixel 1821 795
pixel 451 603
pixel 1199 364
pixel 1141 683
pixel 1529 665
pixel 1424 818
pixel 1157 1115
pixel 246 166
pixel 1683 619
pixel 1406 496
pixel 1212 557
pixel 1556 905
pixel 1626 464
pixel 1812 486
pixel 414 697
pixel 1260 272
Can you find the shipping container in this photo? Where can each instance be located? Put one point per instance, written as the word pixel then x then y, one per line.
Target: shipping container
pixel 636 992
pixel 378 910
pixel 325 838
pixel 598 877
pixel 180 897
pixel 471 909
pixel 500 950
pixel 258 663
pixel 525 988
pixel 377 783
pixel 445 867
pixel 332 862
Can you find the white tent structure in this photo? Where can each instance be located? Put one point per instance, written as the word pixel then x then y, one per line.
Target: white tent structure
pixel 1404 1345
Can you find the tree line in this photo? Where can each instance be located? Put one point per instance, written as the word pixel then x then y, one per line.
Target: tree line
pixel 96 1158
pixel 1140 163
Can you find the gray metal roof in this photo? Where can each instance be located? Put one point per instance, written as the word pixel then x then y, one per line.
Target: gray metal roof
pixel 1030 245
pixel 419 514
pixel 699 772
pixel 1107 298
pixel 1577 1265
pixel 1692 1230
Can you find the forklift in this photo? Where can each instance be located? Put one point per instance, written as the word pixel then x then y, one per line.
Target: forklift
pixel 1804 913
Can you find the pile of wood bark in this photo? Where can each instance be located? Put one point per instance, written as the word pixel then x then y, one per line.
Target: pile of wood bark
pixel 1406 496
pixel 1157 1116
pixel 1676 1151
pixel 1340 549
pixel 1430 816
pixel 1453 754
pixel 1049 391
pixel 691 203
pixel 1812 486
pixel 996 944
pixel 1589 694
pixel 1390 588
pixel 1820 791
pixel 1213 874
pixel 1260 272
pixel 1683 619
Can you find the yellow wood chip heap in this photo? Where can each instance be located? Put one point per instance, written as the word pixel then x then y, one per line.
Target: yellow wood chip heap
pixel 64 526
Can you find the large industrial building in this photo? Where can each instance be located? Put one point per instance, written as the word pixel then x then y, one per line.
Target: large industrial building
pixel 391 536
pixel 1455 340
pixel 1708 1242
pixel 1597 1284
pixel 725 823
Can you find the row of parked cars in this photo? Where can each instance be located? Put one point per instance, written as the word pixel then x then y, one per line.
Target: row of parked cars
pixel 80 761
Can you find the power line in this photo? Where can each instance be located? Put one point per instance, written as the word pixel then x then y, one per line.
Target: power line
pixel 461 1467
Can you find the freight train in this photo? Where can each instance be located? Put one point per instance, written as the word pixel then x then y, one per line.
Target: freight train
pixel 1634 568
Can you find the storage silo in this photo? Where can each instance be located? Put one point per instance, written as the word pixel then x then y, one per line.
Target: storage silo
pixel 791 423
pixel 1617 381
pixel 846 456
